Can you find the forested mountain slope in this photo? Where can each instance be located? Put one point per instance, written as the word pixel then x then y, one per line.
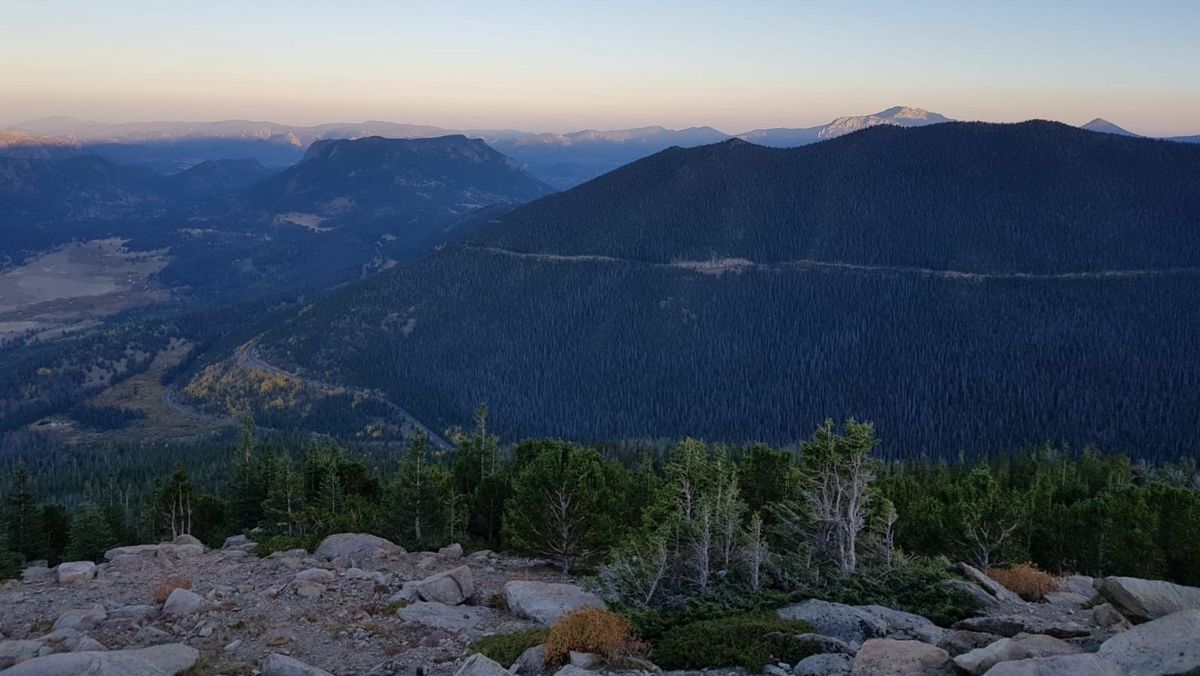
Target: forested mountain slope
pixel 967 287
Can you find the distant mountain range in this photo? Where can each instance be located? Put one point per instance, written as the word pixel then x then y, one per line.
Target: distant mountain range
pixel 969 287
pixel 561 160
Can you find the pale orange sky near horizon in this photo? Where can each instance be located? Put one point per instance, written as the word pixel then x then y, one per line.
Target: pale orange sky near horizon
pixel 565 66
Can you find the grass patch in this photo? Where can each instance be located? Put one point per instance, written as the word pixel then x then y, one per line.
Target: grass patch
pixel 506 648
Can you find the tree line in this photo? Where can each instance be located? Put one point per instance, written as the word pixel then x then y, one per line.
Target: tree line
pixel 659 530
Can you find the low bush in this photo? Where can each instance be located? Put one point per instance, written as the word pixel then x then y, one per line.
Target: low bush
pixel 589 630
pixel 750 641
pixel 714 603
pixel 913 584
pixel 1025 579
pixel 163 591
pixel 506 648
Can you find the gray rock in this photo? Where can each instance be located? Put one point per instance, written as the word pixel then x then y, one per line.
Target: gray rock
pixel 165 550
pixel 75 572
pixel 451 552
pixel 1083 585
pixel 442 616
pixel 1012 624
pixel 1106 616
pixel 585 660
pixel 478 665
pixel 889 657
pixel 87 644
pixel 545 602
pixel 187 539
pixel 408 592
pixel 308 589
pixel 375 576
pixel 959 641
pixel 282 665
pixel 160 660
pixel 81 618
pixel 824 665
pixel 239 543
pixel 1061 598
pixel 1141 600
pixel 841 621
pixel 451 587
pixel 133 614
pixel 13 652
pixel 822 644
pixel 989 585
pixel 1019 647
pixel 904 625
pixel 981 598
pixel 183 602
pixel 356 547
pixel 1060 665
pixel 315 575
pixel 1168 645
pixel 572 670
pixel 531 662
pixel 35 574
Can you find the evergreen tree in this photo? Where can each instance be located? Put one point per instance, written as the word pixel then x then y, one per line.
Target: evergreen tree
pixel 561 507
pixel 248 486
pixel 90 535
pixel 174 503
pixel 23 519
pixel 417 497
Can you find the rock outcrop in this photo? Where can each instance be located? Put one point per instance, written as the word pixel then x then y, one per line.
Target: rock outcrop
pixel 545 602
pixel 1142 600
pixel 1061 665
pixel 889 657
pixel 1168 645
pixel 355 548
pixel 843 622
pixel 161 660
pixel 75 572
pixel 1020 647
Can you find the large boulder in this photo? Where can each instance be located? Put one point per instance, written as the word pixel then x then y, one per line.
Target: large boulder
pixel 989 585
pixel 35 573
pixel 478 665
pixel 1141 600
pixel 841 621
pixel 1019 647
pixel 889 657
pixel 355 547
pixel 159 660
pixel 282 665
pixel 451 587
pixel 961 641
pixel 1168 645
pixel 904 625
pixel 187 539
pixel 1084 585
pixel 1059 665
pixel 820 644
pixel 164 550
pixel 545 602
pixel 442 616
pixel 451 552
pixel 532 662
pixel 831 664
pixel 75 572
pixel 239 543
pixel 315 575
pixel 183 602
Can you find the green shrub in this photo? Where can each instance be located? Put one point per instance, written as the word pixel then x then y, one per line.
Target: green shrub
pixel 912 584
pixel 715 603
pixel 506 648
pixel 750 641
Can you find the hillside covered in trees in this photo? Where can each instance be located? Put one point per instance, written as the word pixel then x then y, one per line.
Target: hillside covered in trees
pixel 971 288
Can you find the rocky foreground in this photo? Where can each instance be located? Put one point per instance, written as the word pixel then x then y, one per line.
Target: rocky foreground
pixel 359 604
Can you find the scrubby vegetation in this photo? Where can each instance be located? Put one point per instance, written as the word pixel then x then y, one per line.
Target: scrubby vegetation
pixel 589 630
pixel 750 641
pixel 506 648
pixel 677 540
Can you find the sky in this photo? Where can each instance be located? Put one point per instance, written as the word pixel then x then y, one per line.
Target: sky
pixel 565 65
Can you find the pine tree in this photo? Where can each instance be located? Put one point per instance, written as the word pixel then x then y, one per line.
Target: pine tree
pixel 248 485
pixel 23 519
pixel 90 535
pixel 417 496
pixel 285 495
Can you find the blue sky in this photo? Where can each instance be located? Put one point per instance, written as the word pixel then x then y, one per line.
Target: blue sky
pixel 569 65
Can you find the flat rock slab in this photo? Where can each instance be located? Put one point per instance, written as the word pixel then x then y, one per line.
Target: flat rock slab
pixel 1020 647
pixel 442 616
pixel 1060 665
pixel 478 665
pixel 1168 645
pixel 1011 625
pixel 545 602
pixel 161 660
pixel 1141 600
